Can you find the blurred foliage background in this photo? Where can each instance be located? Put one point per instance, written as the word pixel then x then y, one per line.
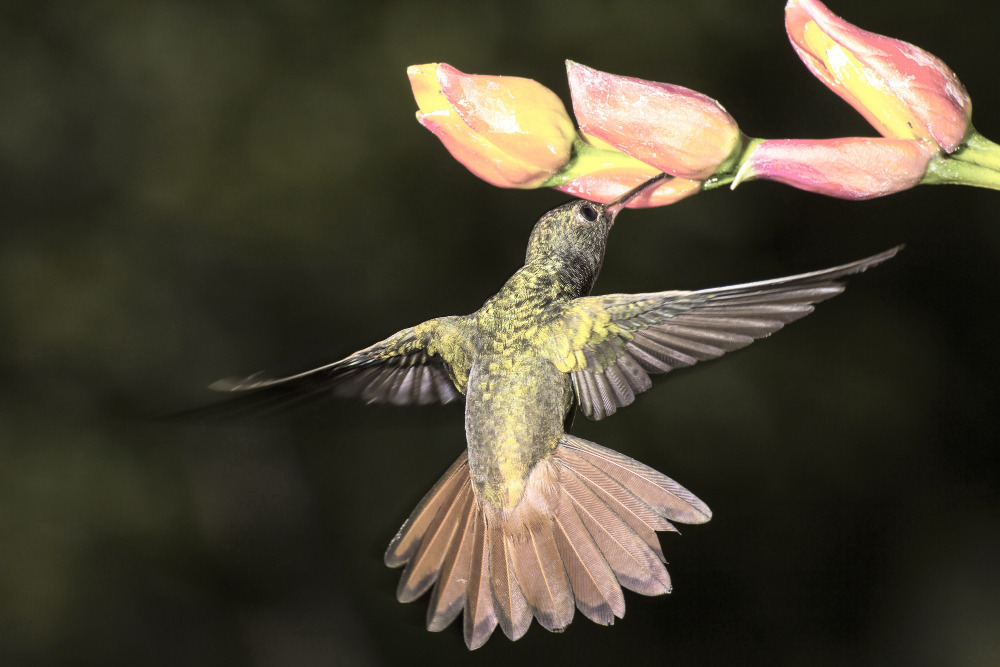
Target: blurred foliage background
pixel 192 190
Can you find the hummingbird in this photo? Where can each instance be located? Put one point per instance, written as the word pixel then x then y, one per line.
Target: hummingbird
pixel 531 522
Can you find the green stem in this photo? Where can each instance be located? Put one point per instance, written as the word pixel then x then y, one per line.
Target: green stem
pixel 950 170
pixel 978 150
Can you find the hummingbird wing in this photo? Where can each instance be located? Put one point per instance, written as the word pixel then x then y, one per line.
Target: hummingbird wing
pixel 405 368
pixel 611 344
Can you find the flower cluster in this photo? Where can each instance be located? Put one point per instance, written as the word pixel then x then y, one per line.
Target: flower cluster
pixel 515 132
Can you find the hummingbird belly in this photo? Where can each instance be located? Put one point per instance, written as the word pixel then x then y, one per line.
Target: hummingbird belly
pixel 514 412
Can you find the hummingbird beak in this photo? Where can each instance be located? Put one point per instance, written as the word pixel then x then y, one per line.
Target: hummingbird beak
pixel 612 209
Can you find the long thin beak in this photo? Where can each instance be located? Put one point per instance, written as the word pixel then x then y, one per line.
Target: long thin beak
pixel 612 209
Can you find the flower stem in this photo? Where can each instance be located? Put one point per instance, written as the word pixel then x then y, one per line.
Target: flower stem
pixel 954 171
pixel 978 150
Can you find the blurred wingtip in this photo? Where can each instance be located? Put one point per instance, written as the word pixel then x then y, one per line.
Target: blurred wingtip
pixel 863 265
pixel 890 253
pixel 232 384
pixel 224 385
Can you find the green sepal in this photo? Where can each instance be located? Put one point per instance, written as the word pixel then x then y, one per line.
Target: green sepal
pixel 729 172
pixel 978 150
pixel 950 170
pixel 586 158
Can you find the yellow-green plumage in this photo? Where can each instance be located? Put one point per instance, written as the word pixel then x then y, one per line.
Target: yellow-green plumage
pixel 516 400
pixel 531 522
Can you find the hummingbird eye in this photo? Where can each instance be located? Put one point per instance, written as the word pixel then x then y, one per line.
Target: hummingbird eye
pixel 588 212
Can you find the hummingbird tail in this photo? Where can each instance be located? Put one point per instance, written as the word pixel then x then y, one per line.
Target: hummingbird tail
pixel 584 528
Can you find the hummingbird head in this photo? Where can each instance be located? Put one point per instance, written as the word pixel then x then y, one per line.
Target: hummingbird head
pixel 572 237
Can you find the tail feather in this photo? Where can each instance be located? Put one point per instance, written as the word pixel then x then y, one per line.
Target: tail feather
pixel 598 595
pixel 537 562
pixel 638 515
pixel 510 605
pixel 423 568
pixel 412 532
pixel 634 563
pixel 480 617
pixel 667 497
pixel 584 528
pixel 449 594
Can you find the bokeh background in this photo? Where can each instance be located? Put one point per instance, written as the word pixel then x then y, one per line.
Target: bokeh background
pixel 192 190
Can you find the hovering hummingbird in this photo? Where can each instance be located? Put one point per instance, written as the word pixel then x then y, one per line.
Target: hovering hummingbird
pixel 531 521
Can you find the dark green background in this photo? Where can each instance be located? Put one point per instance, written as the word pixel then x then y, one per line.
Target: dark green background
pixel 193 190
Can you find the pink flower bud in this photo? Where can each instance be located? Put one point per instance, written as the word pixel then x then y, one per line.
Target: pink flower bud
pixel 675 129
pixel 509 131
pixel 606 185
pixel 847 168
pixel 902 90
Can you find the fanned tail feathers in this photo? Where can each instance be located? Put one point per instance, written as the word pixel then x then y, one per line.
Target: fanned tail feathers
pixel 585 527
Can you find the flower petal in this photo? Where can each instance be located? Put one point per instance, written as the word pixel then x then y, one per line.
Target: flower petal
pixel 509 131
pixel 605 185
pixel 846 168
pixel 675 129
pixel 902 90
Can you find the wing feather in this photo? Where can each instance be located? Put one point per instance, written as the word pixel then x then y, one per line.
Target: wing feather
pixel 611 344
pixel 406 368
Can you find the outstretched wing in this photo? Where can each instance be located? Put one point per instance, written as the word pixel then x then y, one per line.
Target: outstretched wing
pixel 610 344
pixel 405 368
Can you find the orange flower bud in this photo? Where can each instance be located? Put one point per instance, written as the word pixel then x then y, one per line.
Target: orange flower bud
pixel 509 131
